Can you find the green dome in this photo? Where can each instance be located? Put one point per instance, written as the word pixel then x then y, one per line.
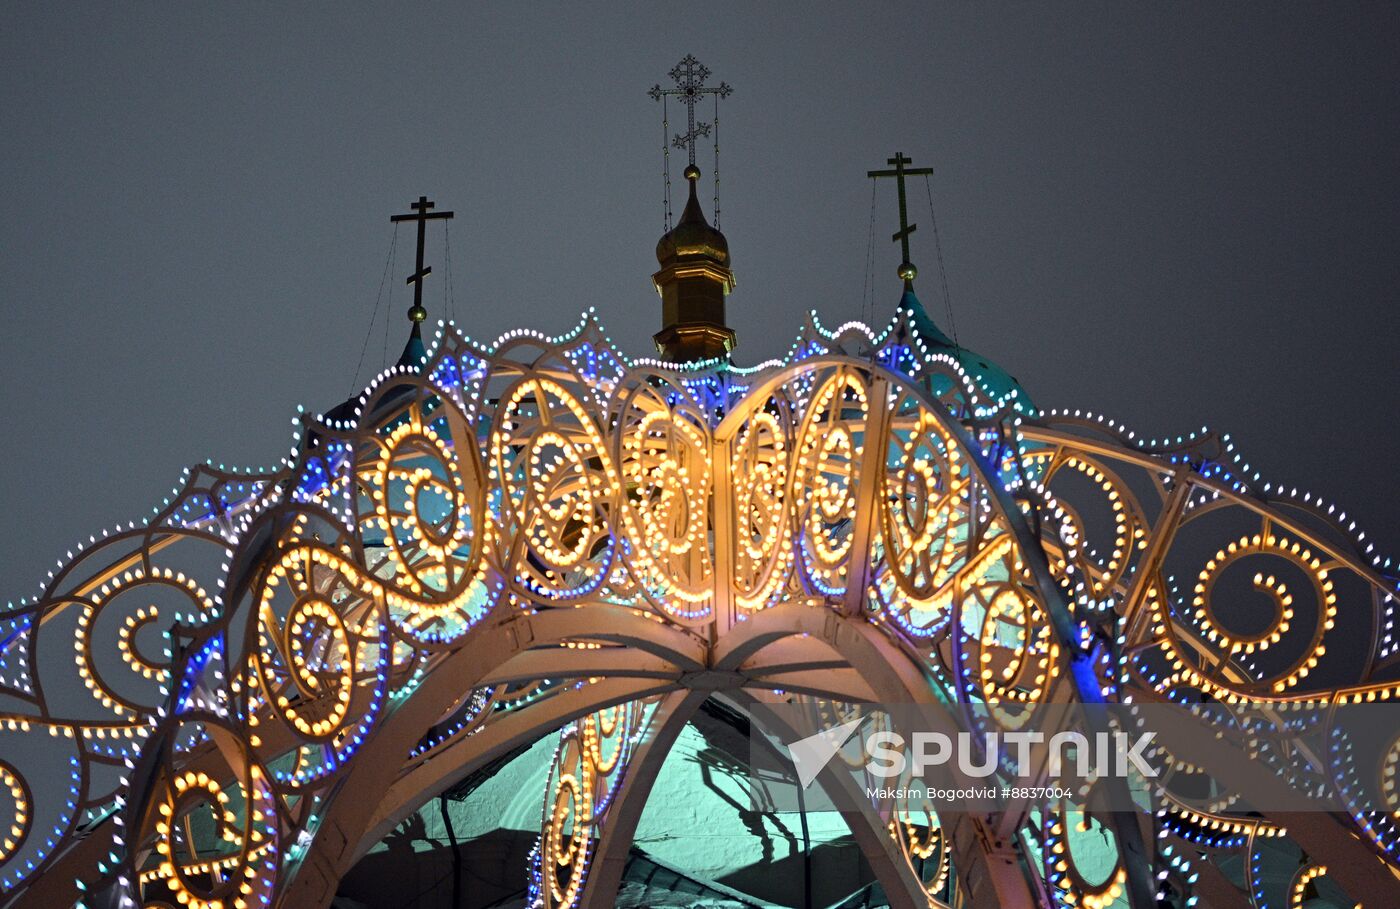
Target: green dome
pixel 990 377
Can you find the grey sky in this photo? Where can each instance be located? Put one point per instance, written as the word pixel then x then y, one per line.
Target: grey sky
pixel 1174 214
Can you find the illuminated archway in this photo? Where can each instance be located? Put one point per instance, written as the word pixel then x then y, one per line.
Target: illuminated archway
pixel 509 540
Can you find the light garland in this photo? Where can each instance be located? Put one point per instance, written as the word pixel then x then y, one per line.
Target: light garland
pixel 542 472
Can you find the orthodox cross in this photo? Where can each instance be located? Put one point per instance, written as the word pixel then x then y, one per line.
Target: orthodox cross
pixel 906 268
pixel 420 214
pixel 690 75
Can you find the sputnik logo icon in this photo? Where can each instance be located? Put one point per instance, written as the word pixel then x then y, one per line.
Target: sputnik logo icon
pixel 813 753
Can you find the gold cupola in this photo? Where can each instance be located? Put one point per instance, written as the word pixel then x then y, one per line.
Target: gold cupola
pixel 693 281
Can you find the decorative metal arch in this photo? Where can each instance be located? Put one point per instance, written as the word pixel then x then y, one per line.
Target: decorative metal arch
pixel 541 536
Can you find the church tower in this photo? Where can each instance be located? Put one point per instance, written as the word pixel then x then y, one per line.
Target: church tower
pixel 694 277
pixel 693 281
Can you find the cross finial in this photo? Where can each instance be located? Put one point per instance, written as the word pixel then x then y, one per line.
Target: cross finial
pixel 690 75
pixel 420 214
pixel 907 271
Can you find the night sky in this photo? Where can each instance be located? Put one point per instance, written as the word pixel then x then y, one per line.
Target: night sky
pixel 1176 214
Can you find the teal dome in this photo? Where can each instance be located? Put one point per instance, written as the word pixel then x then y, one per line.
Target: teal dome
pixel 991 378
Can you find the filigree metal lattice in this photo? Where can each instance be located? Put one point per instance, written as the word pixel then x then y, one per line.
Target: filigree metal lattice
pixel 540 534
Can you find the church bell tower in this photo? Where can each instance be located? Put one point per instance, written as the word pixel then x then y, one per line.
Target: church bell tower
pixel 694 277
pixel 693 281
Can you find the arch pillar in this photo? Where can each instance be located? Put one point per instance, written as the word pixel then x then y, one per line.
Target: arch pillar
pixel 414 788
pixel 619 827
pixel 351 807
pixel 871 834
pixel 989 861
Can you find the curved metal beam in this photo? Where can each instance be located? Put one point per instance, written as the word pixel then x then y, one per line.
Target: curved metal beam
pixel 500 736
pixel 370 775
pixel 871 834
pixel 989 862
pixel 619 826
